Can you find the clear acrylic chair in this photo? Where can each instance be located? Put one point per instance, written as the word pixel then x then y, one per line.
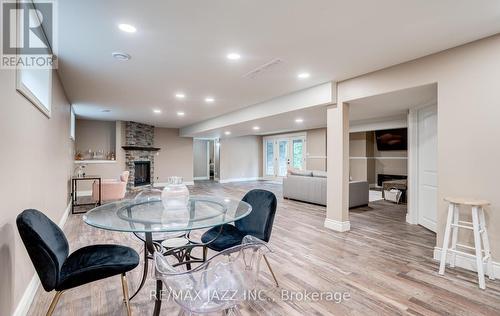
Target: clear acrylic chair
pixel 218 285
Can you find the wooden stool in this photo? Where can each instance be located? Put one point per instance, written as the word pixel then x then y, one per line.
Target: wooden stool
pixel 478 226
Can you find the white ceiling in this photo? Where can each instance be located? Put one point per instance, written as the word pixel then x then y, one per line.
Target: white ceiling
pixel 181 46
pixel 313 117
pixel 392 104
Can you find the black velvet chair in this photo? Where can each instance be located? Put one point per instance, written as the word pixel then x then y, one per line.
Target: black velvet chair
pixel 58 270
pixel 259 223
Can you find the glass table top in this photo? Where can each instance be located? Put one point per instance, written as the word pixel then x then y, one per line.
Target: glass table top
pixel 149 215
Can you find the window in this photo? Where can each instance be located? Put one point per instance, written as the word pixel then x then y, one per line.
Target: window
pixel 33 80
pixel 72 124
pixel 36 86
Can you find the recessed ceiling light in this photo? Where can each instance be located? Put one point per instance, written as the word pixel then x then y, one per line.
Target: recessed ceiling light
pixel 256 128
pixel 180 95
pixel 233 56
pixel 299 120
pixel 209 100
pixel 127 28
pixel 157 111
pixel 180 113
pixel 121 56
pixel 304 75
pixel 227 132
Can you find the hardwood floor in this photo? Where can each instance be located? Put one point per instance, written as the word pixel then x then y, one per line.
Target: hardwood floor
pixel 384 264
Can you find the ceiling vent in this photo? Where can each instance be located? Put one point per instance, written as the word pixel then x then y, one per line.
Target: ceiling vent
pixel 121 56
pixel 265 67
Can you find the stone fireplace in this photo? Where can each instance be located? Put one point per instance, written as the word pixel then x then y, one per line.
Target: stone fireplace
pixel 139 154
pixel 142 173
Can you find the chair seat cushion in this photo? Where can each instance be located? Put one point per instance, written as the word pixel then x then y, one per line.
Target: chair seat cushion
pixel 94 263
pixel 229 237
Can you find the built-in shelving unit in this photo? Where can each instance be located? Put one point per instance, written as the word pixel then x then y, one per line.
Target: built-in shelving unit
pixel 95 161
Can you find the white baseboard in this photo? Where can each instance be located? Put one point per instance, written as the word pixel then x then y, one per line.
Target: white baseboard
pixel 201 178
pixel 239 179
pixel 28 297
pixel 466 261
pixel 164 184
pixel 84 193
pixel 24 304
pixel 337 225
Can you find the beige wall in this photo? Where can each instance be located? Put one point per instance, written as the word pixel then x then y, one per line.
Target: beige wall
pixel 175 157
pixel 468 112
pixel 95 135
pixel 105 170
pixel 358 151
pixel 316 149
pixel 366 161
pixel 35 164
pixel 240 157
pixel 200 161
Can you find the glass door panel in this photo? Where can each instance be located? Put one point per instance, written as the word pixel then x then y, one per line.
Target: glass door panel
pixel 298 153
pixel 269 163
pixel 282 157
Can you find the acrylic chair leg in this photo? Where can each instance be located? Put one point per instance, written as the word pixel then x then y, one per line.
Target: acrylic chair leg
pixel 125 294
pixel 271 270
pixel 182 312
pixel 53 305
pixel 233 311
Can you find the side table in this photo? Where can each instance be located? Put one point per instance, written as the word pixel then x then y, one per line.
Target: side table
pixel 74 192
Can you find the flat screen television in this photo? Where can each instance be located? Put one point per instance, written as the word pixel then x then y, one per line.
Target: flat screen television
pixel 392 139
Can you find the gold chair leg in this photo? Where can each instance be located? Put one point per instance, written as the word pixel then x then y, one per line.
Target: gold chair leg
pixel 125 294
pixel 271 270
pixel 53 305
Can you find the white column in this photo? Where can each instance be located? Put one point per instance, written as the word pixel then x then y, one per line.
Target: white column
pixel 337 211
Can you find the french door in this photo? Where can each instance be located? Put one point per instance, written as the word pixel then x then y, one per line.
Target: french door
pixel 283 152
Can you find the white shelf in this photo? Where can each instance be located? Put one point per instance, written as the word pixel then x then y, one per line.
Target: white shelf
pixel 94 161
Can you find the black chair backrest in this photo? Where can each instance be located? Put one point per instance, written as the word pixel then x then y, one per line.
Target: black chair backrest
pixel 259 222
pixel 46 245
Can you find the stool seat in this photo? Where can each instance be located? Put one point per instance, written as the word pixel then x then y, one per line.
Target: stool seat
pixel 467 201
pixel 175 242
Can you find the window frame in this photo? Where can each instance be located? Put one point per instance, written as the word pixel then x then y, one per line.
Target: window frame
pixel 46 109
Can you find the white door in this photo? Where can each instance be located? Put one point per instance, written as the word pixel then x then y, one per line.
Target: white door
pixel 283 157
pixel 283 152
pixel 269 158
pixel 298 153
pixel 427 167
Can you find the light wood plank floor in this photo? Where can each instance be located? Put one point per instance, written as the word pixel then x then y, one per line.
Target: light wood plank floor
pixel 383 263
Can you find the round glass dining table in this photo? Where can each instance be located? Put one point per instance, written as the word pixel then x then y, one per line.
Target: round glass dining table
pixel 147 216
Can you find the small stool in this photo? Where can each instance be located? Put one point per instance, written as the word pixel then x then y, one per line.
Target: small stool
pixel 478 226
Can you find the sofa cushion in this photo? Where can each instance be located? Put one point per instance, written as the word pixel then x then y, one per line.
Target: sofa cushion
pixel 305 173
pixel 319 174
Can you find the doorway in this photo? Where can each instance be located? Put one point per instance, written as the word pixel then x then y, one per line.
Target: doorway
pixel 415 109
pixel 282 152
pixel 205 159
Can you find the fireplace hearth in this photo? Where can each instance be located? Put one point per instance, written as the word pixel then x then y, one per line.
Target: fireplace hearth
pixel 142 174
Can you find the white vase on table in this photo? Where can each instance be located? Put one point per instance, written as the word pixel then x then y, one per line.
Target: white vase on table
pixel 175 200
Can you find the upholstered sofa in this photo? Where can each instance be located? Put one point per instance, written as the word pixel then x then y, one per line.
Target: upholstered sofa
pixel 310 186
pixel 111 189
